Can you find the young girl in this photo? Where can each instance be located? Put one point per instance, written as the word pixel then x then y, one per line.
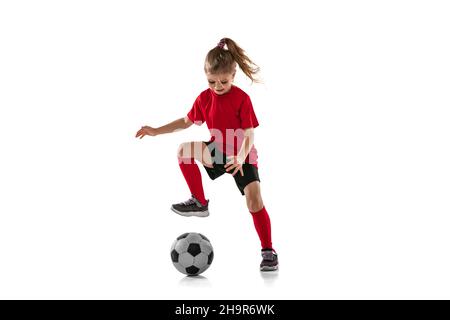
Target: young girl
pixel 229 115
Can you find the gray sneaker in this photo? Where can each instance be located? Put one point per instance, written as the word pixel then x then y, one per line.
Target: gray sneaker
pixel 270 260
pixel 191 207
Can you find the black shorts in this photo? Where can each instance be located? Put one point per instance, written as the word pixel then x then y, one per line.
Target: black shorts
pixel 219 161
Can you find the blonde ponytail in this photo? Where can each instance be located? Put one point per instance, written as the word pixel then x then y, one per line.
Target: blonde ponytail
pixel 221 60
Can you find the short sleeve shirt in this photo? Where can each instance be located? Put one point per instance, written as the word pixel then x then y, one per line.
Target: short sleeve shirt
pixel 226 116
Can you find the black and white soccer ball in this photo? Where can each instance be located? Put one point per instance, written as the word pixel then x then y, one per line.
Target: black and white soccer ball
pixel 192 253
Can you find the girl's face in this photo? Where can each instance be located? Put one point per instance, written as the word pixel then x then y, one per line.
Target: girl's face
pixel 220 83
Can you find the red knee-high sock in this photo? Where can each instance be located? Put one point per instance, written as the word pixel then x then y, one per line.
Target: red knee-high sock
pixel 262 225
pixel 193 177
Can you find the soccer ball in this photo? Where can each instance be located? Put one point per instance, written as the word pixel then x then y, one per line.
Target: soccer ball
pixel 191 253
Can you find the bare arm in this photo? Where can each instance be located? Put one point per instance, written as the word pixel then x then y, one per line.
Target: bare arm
pixel 237 161
pixel 177 125
pixel 247 144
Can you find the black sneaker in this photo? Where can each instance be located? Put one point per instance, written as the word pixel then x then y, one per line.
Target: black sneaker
pixel 191 207
pixel 270 260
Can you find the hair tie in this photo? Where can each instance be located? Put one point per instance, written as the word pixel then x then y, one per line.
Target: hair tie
pixel 221 43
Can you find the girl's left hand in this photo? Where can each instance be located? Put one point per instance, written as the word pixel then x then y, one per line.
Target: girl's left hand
pixel 234 162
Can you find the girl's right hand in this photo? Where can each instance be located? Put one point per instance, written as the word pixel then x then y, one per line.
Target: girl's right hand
pixel 146 131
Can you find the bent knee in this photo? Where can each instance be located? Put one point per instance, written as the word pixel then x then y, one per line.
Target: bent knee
pixel 184 150
pixel 255 205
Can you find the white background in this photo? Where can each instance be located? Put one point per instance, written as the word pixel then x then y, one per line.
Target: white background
pixel 353 149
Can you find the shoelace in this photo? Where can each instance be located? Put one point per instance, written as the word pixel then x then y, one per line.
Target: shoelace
pixel 189 202
pixel 268 255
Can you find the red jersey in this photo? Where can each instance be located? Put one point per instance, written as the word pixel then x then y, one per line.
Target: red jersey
pixel 227 116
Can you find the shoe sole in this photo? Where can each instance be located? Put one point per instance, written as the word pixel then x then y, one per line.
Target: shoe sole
pixel 274 268
pixel 202 214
